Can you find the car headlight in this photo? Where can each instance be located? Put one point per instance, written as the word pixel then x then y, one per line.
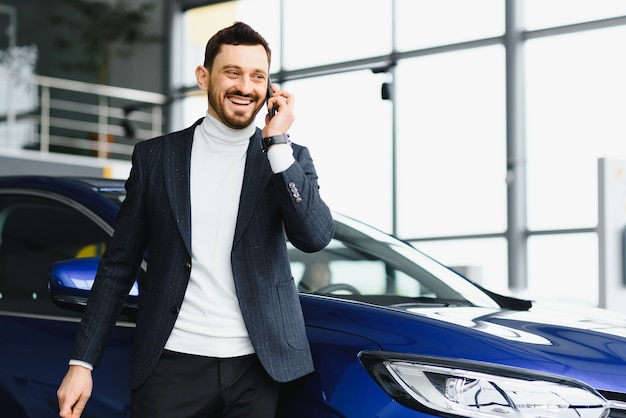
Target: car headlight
pixel 474 389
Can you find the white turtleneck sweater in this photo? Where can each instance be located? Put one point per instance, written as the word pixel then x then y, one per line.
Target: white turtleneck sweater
pixel 210 322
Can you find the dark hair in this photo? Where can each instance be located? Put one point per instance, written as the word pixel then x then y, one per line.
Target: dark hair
pixel 237 34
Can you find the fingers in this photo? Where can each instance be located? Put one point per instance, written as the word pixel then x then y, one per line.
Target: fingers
pixel 73 412
pixel 278 104
pixel 284 103
pixel 71 405
pixel 79 407
pixel 74 392
pixel 281 98
pixel 70 408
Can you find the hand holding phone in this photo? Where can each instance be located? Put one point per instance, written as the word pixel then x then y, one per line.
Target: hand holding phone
pixel 280 103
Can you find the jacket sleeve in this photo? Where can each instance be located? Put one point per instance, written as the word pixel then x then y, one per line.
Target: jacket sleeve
pixel 307 219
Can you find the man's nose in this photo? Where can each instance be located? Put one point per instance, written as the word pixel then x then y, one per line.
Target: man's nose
pixel 245 85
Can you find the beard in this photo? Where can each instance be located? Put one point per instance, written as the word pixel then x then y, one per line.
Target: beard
pixel 236 120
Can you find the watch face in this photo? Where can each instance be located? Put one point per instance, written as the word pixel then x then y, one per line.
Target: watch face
pixel 265 143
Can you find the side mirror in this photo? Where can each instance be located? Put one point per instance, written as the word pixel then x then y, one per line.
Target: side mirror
pixel 70 282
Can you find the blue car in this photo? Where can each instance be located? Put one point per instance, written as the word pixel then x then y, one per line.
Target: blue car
pixel 393 332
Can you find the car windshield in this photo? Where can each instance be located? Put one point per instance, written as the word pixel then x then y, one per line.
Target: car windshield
pixel 362 263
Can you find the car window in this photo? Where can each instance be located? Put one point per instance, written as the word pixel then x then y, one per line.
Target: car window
pixel 339 269
pixel 35 232
pixel 364 264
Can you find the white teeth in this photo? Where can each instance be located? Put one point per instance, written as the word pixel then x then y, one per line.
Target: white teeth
pixel 240 101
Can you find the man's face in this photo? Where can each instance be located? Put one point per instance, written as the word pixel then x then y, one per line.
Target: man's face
pixel 238 84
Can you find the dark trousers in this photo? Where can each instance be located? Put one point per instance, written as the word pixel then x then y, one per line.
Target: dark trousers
pixel 189 386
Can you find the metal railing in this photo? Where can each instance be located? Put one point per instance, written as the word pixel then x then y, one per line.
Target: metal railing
pixel 87 119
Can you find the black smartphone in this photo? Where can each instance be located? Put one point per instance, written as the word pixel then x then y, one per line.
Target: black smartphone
pixel 270 93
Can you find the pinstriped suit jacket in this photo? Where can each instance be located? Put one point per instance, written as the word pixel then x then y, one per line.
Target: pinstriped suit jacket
pixel 156 217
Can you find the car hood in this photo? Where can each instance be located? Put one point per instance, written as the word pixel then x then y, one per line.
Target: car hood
pixel 585 344
pixel 536 326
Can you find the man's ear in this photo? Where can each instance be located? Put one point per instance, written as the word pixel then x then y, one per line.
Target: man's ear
pixel 202 77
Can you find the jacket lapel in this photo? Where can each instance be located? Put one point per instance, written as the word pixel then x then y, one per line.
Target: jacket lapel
pixel 176 169
pixel 256 176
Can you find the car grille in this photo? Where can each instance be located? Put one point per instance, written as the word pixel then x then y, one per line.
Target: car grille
pixel 618 403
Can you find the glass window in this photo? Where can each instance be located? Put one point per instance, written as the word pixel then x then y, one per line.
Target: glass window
pixel 199 24
pixel 541 14
pixel 34 233
pixel 330 31
pixel 347 127
pixel 575 111
pixel 563 269
pixel 348 135
pixel 481 260
pixel 452 144
pixel 194 108
pixel 450 128
pixel 423 23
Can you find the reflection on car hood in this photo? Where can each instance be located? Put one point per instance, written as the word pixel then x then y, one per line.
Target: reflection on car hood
pixel 513 325
pixel 584 344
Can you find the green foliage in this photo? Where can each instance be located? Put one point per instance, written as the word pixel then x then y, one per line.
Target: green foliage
pixel 97 32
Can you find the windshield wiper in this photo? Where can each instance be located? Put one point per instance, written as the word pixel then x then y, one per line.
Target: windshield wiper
pixel 430 302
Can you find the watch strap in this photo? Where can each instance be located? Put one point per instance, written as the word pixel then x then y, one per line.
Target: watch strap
pixel 273 140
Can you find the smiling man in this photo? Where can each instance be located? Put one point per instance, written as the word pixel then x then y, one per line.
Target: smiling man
pixel 219 323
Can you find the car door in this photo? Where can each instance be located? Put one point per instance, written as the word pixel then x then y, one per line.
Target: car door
pixel 36 336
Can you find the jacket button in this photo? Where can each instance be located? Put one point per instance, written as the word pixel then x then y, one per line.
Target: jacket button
pixel 188 266
pixel 175 310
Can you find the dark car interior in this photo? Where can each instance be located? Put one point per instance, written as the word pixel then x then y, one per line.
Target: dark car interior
pixel 34 233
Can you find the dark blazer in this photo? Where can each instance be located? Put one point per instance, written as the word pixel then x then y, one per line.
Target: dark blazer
pixel 155 220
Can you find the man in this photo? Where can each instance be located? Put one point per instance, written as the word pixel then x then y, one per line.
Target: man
pixel 219 324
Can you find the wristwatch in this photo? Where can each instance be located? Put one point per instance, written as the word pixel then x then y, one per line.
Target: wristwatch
pixel 272 140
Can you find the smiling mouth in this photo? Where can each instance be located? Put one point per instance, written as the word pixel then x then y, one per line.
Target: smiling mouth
pixel 240 101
